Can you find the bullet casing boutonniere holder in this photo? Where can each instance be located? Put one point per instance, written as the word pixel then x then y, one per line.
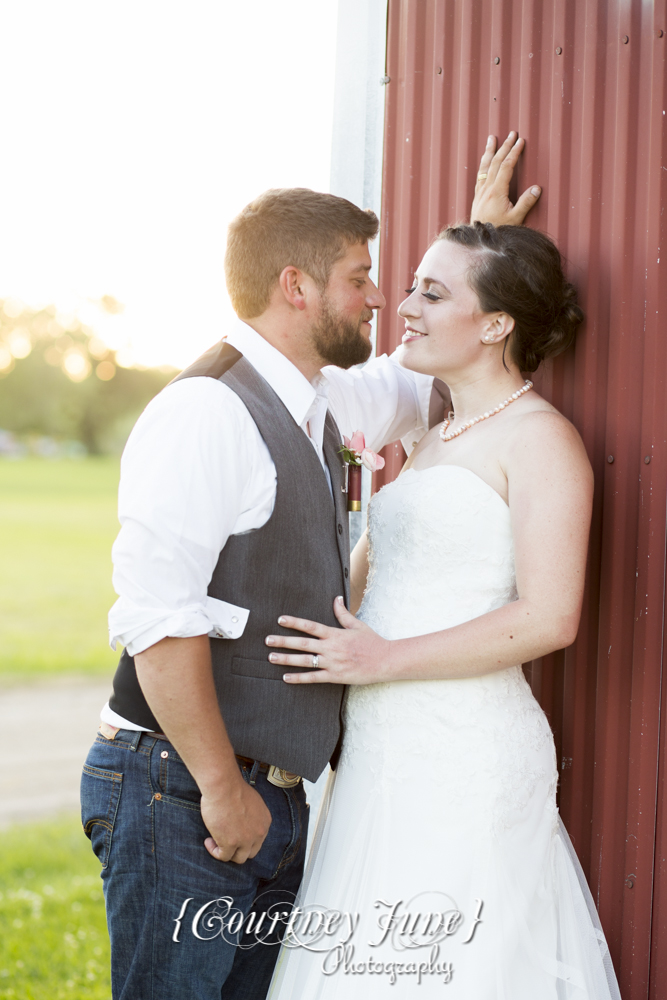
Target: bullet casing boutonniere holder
pixel 355 455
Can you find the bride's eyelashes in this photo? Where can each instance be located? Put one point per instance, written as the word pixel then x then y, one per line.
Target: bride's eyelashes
pixel 427 295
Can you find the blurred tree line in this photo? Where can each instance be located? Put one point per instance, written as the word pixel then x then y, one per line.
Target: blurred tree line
pixel 59 380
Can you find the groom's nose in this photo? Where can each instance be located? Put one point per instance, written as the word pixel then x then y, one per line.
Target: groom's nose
pixel 375 299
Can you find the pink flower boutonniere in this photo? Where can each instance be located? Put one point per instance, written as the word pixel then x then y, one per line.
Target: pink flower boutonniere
pixel 355 453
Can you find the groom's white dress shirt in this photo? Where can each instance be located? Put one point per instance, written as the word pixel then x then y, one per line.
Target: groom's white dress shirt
pixel 196 470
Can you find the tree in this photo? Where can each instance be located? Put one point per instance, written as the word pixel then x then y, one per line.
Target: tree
pixel 58 379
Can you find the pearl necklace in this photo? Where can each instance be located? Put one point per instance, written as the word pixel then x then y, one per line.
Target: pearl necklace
pixel 484 416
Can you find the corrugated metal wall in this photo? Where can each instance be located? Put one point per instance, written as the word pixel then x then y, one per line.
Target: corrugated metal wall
pixel 584 82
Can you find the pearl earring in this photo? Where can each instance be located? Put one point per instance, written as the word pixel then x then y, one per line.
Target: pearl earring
pixel 488 338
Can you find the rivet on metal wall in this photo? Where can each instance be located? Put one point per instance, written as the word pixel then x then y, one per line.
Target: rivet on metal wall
pixel 384 80
pixel 610 459
pixel 497 60
pixel 647 460
pixel 439 70
pixel 630 881
pixel 659 33
pixel 625 39
pixel 559 51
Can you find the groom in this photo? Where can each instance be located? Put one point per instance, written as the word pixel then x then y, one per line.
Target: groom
pixel 232 509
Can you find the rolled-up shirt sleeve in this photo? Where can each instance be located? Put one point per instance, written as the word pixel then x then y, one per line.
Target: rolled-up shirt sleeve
pixel 190 477
pixel 382 399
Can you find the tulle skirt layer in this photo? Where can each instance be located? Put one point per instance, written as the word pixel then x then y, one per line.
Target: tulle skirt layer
pixel 419 879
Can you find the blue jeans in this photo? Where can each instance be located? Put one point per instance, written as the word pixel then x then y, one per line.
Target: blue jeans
pixel 175 914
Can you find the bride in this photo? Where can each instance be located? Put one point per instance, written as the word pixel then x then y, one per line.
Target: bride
pixel 439 856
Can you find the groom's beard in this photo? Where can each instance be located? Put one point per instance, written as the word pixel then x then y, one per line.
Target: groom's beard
pixel 340 341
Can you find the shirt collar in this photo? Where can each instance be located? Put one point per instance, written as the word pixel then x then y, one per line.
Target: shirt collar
pixel 292 388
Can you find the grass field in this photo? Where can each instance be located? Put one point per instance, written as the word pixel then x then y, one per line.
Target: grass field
pixel 57 525
pixel 53 936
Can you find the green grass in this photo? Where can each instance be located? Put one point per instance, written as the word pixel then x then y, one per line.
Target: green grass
pixel 57 525
pixel 53 935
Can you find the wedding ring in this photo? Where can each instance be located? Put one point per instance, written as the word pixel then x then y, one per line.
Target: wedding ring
pixel 482 177
pixel 316 661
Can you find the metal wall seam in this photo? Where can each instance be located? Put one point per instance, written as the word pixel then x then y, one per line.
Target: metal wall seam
pixel 585 83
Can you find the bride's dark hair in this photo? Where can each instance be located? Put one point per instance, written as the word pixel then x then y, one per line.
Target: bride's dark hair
pixel 519 271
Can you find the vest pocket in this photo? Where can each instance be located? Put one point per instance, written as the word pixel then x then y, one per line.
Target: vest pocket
pixel 258 668
pixel 100 795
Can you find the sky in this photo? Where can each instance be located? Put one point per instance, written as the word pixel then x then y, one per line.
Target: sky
pixel 132 133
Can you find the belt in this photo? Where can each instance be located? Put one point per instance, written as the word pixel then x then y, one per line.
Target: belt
pixel 274 775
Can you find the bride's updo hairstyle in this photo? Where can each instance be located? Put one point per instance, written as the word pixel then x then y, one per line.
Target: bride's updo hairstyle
pixel 519 271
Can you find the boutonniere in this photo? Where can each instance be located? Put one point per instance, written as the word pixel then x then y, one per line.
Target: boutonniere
pixel 355 454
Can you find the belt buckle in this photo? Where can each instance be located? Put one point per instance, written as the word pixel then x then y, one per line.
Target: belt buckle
pixel 281 778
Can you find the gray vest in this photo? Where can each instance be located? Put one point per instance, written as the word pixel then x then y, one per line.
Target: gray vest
pixel 297 563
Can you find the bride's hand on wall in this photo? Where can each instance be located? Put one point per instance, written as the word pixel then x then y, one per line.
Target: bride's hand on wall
pixel 492 202
pixel 353 654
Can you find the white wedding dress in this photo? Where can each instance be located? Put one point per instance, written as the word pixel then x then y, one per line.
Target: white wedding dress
pixel 444 800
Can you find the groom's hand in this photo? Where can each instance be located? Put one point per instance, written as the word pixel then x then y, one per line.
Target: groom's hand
pixel 492 202
pixel 237 819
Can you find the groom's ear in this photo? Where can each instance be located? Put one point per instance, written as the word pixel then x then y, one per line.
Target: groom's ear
pixel 294 285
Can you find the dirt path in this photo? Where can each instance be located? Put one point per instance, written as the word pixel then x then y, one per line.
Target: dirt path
pixel 46 729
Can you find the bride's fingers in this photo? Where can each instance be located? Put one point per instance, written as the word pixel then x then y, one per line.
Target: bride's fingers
pixel 345 617
pixel 301 642
pixel 303 625
pixel 501 155
pixel 311 677
pixel 487 156
pixel 292 659
pixel 506 168
pixel 524 204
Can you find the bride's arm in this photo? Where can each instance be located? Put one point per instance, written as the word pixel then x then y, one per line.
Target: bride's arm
pixel 550 493
pixel 358 572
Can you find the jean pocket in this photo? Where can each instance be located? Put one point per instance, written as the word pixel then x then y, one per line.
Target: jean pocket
pixel 176 782
pixel 100 795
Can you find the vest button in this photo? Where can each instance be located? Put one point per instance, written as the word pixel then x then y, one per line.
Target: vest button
pixel 347 573
pixel 340 529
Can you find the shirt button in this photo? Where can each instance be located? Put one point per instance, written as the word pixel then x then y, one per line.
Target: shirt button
pixel 340 529
pixel 346 573
pixel 164 754
pixel 234 619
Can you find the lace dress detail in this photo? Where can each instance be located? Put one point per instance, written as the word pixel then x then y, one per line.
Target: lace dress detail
pixel 449 786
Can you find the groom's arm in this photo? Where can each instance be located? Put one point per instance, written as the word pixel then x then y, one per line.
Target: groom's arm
pixel 388 402
pixel 185 487
pixel 233 812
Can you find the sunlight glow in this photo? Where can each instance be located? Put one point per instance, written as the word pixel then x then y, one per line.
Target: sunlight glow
pixel 132 134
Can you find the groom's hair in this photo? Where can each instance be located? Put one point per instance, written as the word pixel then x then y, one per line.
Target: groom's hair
pixel 289 226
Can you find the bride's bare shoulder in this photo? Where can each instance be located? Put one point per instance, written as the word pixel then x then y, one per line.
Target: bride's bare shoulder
pixel 541 434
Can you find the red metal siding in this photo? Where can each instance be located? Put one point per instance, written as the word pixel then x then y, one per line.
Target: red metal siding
pixel 584 82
